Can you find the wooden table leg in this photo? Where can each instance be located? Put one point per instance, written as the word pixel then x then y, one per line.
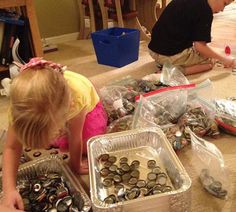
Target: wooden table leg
pixel 31 14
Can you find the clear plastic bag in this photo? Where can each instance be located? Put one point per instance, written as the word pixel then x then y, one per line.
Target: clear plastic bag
pixel 118 101
pixel 152 77
pixel 121 124
pixel 144 114
pixel 149 83
pixel 210 166
pixel 226 107
pixel 146 86
pixel 127 82
pixel 226 115
pixel 175 136
pixel 204 90
pixel 200 118
pixel 160 108
pixel 172 75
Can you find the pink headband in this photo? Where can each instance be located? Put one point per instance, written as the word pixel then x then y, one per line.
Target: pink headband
pixel 40 63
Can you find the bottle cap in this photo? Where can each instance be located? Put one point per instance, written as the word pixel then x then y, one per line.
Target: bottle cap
pixel 227 50
pixel 178 133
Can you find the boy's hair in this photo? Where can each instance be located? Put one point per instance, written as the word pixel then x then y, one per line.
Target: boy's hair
pixel 39 100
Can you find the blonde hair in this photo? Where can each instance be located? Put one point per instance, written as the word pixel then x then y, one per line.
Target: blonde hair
pixel 39 102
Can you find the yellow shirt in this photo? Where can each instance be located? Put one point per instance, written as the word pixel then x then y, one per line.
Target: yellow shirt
pixel 83 93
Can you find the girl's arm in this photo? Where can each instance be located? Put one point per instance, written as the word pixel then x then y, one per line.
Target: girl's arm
pixel 207 51
pixel 11 157
pixel 76 143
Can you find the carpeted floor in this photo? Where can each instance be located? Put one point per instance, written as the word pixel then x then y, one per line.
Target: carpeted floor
pixel 79 56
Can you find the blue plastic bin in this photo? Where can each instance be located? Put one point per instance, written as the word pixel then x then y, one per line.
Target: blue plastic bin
pixel 116 46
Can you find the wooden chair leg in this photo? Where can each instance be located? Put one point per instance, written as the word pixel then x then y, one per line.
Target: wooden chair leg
pixel 85 31
pixel 130 23
pixel 160 9
pixel 132 5
pixel 134 23
pixel 104 13
pixel 119 13
pixel 92 16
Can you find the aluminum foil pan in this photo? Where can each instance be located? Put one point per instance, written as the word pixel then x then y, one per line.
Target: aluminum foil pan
pixel 226 111
pixel 143 145
pixel 51 164
pixel 226 107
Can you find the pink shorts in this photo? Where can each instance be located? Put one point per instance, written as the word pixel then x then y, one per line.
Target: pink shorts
pixel 95 124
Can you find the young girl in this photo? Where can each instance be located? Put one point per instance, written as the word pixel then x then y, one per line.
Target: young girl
pixel 45 101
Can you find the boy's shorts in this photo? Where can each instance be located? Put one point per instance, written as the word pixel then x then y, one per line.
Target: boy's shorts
pixel 187 57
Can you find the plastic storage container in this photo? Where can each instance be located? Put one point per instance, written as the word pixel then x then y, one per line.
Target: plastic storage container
pixel 116 46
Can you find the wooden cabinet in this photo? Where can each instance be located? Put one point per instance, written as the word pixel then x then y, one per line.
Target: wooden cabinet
pixel 26 7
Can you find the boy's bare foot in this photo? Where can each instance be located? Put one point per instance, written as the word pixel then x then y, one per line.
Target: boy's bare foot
pixel 198 68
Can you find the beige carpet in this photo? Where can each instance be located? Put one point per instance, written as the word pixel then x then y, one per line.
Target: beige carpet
pixel 79 56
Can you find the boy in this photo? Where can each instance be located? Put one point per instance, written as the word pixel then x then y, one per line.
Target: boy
pixel 181 34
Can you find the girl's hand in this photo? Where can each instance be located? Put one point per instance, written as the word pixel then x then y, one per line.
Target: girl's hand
pixel 13 200
pixel 81 168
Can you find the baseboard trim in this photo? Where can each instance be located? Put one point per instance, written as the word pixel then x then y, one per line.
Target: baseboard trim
pixel 61 38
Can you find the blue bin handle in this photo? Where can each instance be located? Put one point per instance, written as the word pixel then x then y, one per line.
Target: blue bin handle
pixel 105 42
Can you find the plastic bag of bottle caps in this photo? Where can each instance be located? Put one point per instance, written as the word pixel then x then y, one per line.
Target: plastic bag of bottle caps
pixel 226 115
pixel 199 121
pixel 118 101
pixel 210 165
pixel 120 124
